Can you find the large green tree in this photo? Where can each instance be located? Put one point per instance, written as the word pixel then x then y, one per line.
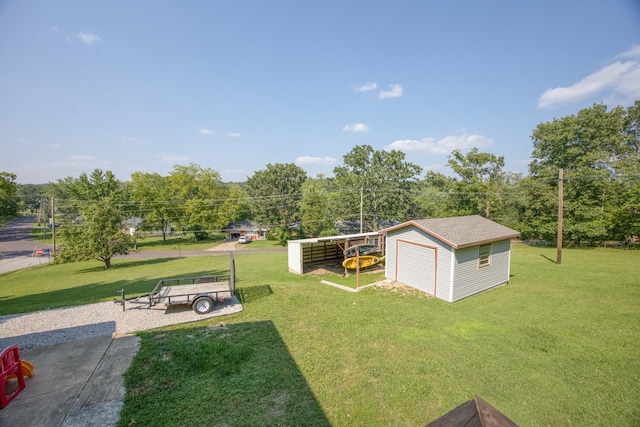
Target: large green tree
pixel 97 235
pixel 199 194
pixel 8 191
pixel 385 180
pixel 598 151
pixel 153 201
pixel 275 194
pixel 92 221
pixel 315 208
pixel 479 182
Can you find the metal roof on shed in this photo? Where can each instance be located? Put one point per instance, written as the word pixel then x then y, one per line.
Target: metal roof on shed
pixel 461 231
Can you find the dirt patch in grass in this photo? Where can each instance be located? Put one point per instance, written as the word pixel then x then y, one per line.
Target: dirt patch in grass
pixel 335 267
pixel 402 289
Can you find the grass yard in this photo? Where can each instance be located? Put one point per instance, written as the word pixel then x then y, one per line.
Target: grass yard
pixel 558 346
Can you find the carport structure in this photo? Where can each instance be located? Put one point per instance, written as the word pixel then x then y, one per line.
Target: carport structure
pixel 306 254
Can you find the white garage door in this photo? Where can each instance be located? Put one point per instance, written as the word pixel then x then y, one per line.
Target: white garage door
pixel 416 266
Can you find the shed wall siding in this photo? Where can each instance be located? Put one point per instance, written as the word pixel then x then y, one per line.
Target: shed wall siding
pixel 295 257
pixel 469 279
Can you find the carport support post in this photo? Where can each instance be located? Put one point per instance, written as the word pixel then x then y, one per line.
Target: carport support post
pixel 357 268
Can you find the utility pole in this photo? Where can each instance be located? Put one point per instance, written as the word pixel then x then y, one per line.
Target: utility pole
pixel 560 209
pixel 361 205
pixel 53 226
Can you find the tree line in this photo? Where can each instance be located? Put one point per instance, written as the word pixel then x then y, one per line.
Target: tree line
pixel 597 148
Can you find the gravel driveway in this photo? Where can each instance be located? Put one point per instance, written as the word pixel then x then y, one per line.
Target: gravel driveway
pixel 48 327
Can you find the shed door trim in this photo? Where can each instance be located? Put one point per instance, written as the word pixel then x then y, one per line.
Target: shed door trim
pixel 424 245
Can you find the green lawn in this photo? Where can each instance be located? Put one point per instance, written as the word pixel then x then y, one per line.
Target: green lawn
pixel 558 346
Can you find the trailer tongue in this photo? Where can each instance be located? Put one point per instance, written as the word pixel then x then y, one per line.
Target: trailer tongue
pixel 201 293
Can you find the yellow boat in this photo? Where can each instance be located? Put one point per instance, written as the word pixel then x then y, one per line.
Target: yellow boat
pixel 365 261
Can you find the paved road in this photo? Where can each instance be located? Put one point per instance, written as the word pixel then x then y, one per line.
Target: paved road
pixel 17 248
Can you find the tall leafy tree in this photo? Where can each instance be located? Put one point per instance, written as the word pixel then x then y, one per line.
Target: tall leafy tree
pixel 153 201
pixel 317 219
pixel 31 196
pixel 386 181
pixel 8 192
pixel 592 147
pixel 275 194
pixel 199 193
pixel 434 196
pixel 477 188
pixel 92 227
pixel 235 207
pixel 97 235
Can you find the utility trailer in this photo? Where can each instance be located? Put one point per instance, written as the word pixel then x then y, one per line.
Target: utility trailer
pixel 201 293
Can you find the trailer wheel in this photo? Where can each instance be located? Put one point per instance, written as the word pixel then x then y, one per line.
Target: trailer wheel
pixel 203 305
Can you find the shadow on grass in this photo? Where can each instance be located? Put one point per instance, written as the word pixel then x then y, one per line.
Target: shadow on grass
pixel 118 264
pixel 243 374
pixel 548 259
pixel 253 293
pixel 89 293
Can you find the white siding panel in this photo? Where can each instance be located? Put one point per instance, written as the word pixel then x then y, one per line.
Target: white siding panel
pixel 470 279
pixel 295 257
pixel 416 266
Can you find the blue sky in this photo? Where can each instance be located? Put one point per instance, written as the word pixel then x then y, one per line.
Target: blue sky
pixel 234 85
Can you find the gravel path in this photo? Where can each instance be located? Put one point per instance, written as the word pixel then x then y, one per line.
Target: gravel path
pixel 48 327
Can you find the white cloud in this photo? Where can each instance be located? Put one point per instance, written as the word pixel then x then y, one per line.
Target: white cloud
pixel 88 38
pixel 79 158
pixel 308 160
pixel 129 139
pixel 172 158
pixel 232 134
pixel 619 81
pixel 440 146
pixel 356 127
pixel 394 91
pixel 366 87
pixel 205 132
pixel 632 52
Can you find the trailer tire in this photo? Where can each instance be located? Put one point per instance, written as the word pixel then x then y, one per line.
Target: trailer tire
pixel 203 305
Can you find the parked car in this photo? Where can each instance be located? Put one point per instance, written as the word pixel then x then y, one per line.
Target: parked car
pixel 244 239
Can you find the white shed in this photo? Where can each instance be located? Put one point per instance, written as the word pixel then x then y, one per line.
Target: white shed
pixel 450 258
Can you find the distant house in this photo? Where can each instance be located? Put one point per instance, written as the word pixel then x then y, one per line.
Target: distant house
pixel 450 258
pixel 130 225
pixel 237 229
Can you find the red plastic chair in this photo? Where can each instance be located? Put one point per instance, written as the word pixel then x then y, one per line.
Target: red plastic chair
pixel 10 364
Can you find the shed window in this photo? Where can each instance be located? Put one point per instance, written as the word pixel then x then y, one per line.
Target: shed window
pixel 484 259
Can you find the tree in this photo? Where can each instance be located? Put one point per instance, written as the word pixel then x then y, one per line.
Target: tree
pixel 434 194
pixel 594 147
pixel 235 207
pixel 386 181
pixel 315 212
pixel 8 191
pixel 31 196
pixel 92 224
pixel 477 190
pixel 98 235
pixel 199 193
pixel 151 192
pixel 275 194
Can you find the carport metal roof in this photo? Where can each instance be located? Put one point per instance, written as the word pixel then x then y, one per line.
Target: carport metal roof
pixel 338 238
